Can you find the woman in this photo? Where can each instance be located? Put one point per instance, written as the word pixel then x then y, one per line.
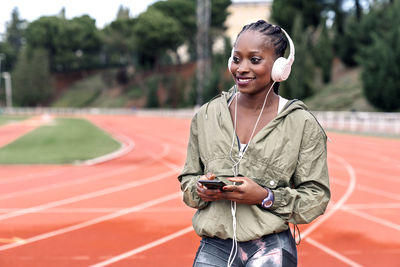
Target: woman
pixel 270 152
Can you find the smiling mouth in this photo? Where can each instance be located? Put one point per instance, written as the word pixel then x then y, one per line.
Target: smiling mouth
pixel 243 81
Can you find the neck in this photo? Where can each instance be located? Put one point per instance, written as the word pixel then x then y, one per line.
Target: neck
pixel 254 102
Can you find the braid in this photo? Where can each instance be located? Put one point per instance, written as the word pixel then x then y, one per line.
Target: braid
pixel 274 34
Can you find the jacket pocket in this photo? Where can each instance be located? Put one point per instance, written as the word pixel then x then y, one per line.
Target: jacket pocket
pixel 265 175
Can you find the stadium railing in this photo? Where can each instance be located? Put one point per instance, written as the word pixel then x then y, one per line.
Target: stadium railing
pixel 362 122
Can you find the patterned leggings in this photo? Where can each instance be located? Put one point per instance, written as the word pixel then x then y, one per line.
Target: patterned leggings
pixel 274 250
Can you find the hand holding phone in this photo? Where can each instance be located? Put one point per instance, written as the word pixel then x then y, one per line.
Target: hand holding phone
pixel 212 184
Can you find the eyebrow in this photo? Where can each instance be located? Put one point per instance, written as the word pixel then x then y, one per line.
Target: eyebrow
pixel 251 52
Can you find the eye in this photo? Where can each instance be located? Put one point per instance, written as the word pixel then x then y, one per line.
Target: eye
pixel 235 59
pixel 255 60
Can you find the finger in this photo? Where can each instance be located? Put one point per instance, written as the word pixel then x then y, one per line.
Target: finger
pixel 230 188
pixel 210 176
pixel 237 179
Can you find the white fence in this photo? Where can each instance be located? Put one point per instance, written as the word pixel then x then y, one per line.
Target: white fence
pixel 363 122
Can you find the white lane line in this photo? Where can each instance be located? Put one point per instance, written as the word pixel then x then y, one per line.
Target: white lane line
pixel 372 174
pixel 145 247
pixel 94 194
pixel 342 200
pixel 93 221
pixel 32 176
pixel 371 206
pixel 332 253
pixel 333 210
pixel 347 207
pixel 127 145
pixel 102 175
pixel 374 219
pixel 89 178
pixel 369 189
pixel 99 210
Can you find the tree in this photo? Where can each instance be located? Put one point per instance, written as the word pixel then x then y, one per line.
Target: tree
pixel 31 78
pixel 82 43
pixel 283 12
pixel 14 38
pixel 323 53
pixel 357 33
pixel 156 33
pixel 72 44
pixel 123 13
pixel 219 12
pixel 118 40
pixel 300 82
pixel 379 61
pixel 183 11
pixel 8 56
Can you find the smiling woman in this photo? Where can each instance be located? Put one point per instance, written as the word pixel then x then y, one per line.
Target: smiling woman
pixel 66 141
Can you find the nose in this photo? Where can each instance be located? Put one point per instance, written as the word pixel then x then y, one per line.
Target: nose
pixel 243 66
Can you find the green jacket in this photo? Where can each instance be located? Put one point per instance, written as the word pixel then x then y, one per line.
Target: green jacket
pixel 288 155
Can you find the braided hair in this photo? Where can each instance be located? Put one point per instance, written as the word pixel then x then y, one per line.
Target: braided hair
pixel 275 37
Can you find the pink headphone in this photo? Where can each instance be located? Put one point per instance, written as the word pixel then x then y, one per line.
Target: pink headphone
pixel 282 66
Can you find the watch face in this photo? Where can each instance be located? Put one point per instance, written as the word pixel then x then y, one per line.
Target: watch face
pixel 268 204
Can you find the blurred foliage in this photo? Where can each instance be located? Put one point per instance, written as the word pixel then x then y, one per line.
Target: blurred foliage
pixel 32 79
pixel 359 33
pixel 300 83
pixel 379 60
pixel 345 94
pixel 156 34
pixel 284 12
pixel 82 93
pixel 143 43
pixel 323 52
pixel 72 44
pixel 119 42
pixel 184 12
pixel 220 78
pixel 13 40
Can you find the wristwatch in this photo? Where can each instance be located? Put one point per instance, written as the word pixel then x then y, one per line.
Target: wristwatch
pixel 269 200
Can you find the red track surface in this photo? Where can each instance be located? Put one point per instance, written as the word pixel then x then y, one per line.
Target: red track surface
pixel 129 212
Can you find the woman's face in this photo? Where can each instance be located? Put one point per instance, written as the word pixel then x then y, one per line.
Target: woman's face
pixel 252 62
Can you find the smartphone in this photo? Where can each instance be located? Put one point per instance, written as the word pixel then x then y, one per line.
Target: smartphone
pixel 212 184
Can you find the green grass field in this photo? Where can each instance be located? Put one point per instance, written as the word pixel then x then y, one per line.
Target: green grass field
pixel 65 141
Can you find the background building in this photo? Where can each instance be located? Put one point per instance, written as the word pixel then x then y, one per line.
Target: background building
pixel 244 12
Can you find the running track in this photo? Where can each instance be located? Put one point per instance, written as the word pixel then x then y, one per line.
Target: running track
pixel 129 212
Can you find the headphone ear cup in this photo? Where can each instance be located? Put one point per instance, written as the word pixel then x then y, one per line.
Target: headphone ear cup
pixel 281 69
pixel 231 59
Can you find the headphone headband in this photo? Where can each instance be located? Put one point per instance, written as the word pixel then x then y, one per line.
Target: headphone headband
pixel 291 46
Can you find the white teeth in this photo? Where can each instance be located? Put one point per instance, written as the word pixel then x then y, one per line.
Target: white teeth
pixel 243 80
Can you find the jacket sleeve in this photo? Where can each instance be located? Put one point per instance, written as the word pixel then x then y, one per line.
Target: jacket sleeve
pixel 192 170
pixel 310 194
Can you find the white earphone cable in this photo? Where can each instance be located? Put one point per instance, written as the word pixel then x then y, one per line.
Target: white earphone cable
pixel 235 169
